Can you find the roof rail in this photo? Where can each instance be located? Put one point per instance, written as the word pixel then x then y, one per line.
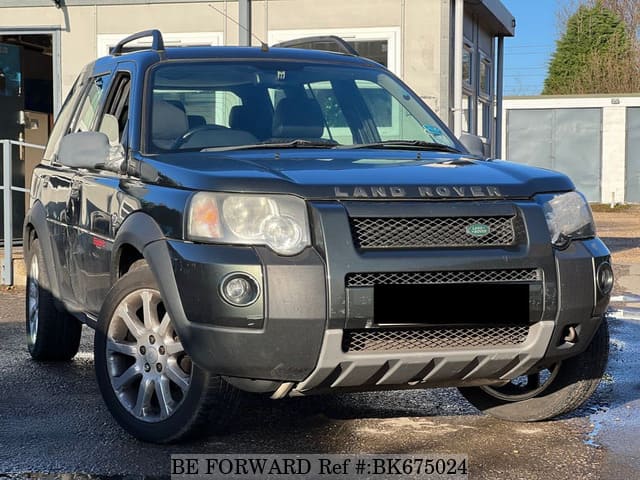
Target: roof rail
pixel 334 41
pixel 157 43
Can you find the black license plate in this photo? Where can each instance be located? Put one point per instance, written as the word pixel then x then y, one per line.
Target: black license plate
pixel 458 304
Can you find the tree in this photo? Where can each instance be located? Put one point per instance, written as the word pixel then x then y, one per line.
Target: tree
pixel 627 10
pixel 596 54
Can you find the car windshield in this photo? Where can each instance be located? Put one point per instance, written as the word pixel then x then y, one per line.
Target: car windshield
pixel 284 104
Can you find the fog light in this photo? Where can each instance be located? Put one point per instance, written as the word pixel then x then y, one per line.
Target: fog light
pixel 239 289
pixel 604 278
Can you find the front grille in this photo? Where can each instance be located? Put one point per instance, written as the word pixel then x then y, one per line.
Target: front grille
pixel 433 338
pixel 427 278
pixel 438 232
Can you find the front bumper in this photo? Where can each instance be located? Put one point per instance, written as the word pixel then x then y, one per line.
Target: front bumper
pixel 277 338
pixel 294 333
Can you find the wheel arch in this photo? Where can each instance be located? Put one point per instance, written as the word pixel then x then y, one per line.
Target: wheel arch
pixel 136 232
pixel 141 235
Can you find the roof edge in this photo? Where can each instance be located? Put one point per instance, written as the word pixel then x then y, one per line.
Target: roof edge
pixel 495 14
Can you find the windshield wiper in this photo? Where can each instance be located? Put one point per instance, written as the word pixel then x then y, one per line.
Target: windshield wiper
pixel 420 144
pixel 298 143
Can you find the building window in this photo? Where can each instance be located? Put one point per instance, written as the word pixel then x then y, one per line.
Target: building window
pixel 467 65
pixel 467 111
pixel 485 76
pixel 380 44
pixel 484 119
pixel 194 39
pixel 376 50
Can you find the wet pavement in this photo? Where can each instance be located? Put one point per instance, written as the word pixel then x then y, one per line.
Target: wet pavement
pixel 617 420
pixel 53 421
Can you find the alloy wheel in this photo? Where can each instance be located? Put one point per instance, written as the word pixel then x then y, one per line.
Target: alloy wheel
pixel 524 386
pixel 147 365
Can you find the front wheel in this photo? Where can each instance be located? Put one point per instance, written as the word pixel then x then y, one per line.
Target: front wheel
pixel 145 376
pixel 552 391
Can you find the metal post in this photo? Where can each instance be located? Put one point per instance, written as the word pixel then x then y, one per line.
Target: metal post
pixel 499 94
pixel 458 27
pixel 245 22
pixel 57 73
pixel 7 266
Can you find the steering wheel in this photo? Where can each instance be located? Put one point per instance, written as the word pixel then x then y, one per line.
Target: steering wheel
pixel 193 131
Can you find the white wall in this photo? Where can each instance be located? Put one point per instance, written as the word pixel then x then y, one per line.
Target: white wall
pixel 413 28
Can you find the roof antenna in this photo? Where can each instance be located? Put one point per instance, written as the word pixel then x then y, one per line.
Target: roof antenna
pixel 263 45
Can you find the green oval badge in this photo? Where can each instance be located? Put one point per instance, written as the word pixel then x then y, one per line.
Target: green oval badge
pixel 478 230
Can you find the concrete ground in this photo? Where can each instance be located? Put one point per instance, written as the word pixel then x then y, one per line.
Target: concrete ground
pixel 53 421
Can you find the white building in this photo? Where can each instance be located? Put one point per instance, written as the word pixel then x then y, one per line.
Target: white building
pixel 448 51
pixel 416 39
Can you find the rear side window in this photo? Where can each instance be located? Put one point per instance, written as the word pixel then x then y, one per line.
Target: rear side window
pixel 95 93
pixel 115 117
pixel 61 128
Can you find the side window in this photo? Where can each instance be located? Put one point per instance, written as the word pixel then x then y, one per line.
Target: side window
pixel 61 127
pixel 115 119
pixel 391 118
pixel 91 103
pixel 336 127
pixel 201 106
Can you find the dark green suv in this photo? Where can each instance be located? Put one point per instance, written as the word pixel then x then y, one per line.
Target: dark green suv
pixel 291 222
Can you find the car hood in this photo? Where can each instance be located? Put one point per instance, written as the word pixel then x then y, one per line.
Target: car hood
pixel 332 173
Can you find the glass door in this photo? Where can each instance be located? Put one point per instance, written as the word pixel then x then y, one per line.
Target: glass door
pixel 11 114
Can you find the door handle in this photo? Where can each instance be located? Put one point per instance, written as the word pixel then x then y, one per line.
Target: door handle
pixel 73 202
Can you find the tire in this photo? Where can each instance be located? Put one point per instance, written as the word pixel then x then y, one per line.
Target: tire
pixel 569 385
pixel 52 334
pixel 147 380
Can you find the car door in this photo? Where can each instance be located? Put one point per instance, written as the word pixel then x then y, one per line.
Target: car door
pixel 52 180
pixel 86 117
pixel 99 200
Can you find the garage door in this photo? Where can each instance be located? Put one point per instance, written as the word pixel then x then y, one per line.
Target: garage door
pixel 632 177
pixel 565 139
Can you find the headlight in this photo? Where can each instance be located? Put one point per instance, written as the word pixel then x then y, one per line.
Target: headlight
pixel 568 217
pixel 277 221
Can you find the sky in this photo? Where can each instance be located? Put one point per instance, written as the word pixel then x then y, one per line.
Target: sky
pixel 527 55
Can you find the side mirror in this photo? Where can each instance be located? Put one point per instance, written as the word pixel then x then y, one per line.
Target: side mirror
pixel 84 149
pixel 473 143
